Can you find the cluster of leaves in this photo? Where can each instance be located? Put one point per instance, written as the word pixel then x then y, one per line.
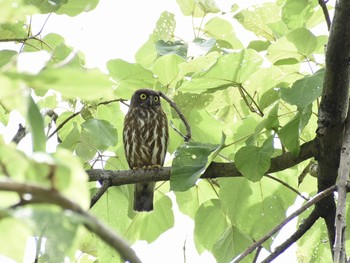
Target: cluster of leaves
pixel 246 103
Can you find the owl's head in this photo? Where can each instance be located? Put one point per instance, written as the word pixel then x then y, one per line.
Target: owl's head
pixel 145 98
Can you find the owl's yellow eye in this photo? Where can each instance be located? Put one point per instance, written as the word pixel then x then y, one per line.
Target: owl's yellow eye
pixel 143 96
pixel 156 99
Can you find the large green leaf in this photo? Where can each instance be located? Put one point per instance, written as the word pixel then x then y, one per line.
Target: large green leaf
pixel 149 226
pixel 171 47
pixel 191 160
pixel 210 223
pixel 257 18
pixel 129 77
pixel 71 82
pixel 242 65
pixel 230 244
pixel 73 8
pixel 167 69
pixel 304 91
pixel 297 44
pixel 165 27
pixel 253 162
pixel 164 30
pixel 295 13
pixel 265 204
pixel 15 234
pixel 189 201
pixel 219 28
pixel 11 32
pixel 12 12
pixel 98 134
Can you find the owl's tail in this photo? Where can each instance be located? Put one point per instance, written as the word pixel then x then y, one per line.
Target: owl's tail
pixel 143 197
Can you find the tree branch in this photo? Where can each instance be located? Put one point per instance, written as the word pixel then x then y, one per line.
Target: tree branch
pixel 93 224
pixel 323 4
pixel 105 185
pixel 308 204
pixel 343 175
pixel 302 229
pixel 214 170
pixel 333 110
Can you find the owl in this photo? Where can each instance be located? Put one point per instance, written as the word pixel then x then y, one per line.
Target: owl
pixel 145 137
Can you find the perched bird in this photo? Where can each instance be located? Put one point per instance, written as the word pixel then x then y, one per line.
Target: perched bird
pixel 145 137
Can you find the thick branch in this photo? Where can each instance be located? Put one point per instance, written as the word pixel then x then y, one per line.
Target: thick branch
pixel 333 109
pixel 344 170
pixel 43 195
pixel 214 170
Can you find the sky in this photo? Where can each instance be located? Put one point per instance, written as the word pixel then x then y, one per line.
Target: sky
pixel 117 29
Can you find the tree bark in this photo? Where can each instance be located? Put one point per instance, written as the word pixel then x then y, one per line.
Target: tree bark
pixel 333 109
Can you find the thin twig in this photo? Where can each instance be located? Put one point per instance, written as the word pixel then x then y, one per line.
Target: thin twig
pixel 288 186
pixel 314 200
pixel 188 136
pixel 77 113
pixel 105 185
pixel 323 4
pixel 256 256
pixel 302 229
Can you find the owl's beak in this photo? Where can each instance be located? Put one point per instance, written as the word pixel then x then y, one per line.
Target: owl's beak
pixel 151 100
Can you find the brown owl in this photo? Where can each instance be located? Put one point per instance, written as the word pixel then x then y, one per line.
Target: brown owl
pixel 145 137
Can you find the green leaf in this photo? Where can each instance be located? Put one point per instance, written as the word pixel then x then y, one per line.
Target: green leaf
pixel 313 246
pixel 253 162
pixel 242 65
pixel 230 244
pixel 70 178
pixel 177 47
pixel 221 29
pixel 6 56
pixel 267 199
pixel 190 8
pixel 12 12
pixel 99 134
pixel 295 13
pixel 149 226
pixel 15 234
pixel 129 77
pixel 191 160
pixel 257 18
pixel 71 82
pixel 210 223
pixel 304 91
pixel 36 123
pixel 71 140
pixel 13 31
pixel 165 27
pixel 204 44
pixel 167 68
pixel 298 44
pixel 208 6
pixel 289 133
pixel 259 45
pixel 73 8
pixel 189 201
pixel 58 229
